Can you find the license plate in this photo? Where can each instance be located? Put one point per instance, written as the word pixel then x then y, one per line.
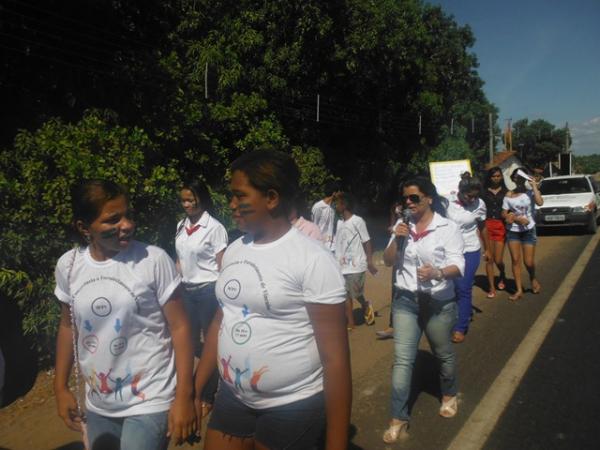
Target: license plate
pixel 555 218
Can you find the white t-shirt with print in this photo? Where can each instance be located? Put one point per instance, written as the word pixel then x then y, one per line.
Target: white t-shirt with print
pixel 440 245
pixel 197 251
pixel 468 217
pixel 323 215
pixel 521 205
pixel 125 350
pixel 349 251
pixel 267 350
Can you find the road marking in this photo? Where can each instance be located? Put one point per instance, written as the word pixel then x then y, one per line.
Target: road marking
pixel 480 424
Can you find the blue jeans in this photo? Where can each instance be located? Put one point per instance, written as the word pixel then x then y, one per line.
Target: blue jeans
pixel 412 317
pixel 142 432
pixel 463 287
pixel 201 305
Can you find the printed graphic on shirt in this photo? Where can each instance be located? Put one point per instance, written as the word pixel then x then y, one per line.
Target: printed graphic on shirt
pixel 242 375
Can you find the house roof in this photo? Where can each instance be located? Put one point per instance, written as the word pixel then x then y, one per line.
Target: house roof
pixel 500 157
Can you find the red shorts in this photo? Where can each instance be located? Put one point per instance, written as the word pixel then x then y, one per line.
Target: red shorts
pixel 496 229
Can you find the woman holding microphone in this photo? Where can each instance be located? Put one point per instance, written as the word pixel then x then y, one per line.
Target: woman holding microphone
pixel 428 253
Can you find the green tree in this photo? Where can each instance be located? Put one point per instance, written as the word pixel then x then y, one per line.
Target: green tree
pixel 538 142
pixel 36 174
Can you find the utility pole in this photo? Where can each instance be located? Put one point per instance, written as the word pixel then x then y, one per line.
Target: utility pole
pixel 566 136
pixel 491 132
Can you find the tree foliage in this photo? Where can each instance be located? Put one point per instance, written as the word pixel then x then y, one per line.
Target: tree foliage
pixel 35 180
pixel 196 83
pixel 587 164
pixel 539 142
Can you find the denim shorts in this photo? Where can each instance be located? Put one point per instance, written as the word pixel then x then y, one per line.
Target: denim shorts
pixel 141 432
pixel 295 426
pixel 524 237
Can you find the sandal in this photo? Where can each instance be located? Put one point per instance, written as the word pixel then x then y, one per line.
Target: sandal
pixel 449 408
pixel 536 288
pixel 395 432
pixel 458 337
pixel 501 285
pixel 491 294
pixel 516 296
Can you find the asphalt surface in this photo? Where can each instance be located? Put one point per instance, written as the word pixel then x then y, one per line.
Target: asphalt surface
pixel 557 405
pixel 497 329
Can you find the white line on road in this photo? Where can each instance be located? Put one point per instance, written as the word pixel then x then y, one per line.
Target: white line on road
pixel 483 419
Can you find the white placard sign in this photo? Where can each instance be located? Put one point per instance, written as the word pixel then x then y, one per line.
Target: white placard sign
pixel 445 175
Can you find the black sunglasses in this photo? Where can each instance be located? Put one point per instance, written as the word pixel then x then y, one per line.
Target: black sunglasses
pixel 414 199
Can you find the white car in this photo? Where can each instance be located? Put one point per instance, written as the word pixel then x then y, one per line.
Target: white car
pixel 569 200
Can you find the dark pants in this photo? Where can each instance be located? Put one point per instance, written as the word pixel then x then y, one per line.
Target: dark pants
pixel 201 305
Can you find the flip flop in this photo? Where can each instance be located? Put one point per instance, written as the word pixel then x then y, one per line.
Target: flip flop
pixel 491 295
pixel 536 288
pixel 501 285
pixel 449 408
pixel 515 297
pixel 458 337
pixel 395 432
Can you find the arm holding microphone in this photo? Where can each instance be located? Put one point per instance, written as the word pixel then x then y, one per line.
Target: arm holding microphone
pixel 396 245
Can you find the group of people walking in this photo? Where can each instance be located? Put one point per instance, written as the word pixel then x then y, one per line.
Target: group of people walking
pixel 266 316
pixel 435 255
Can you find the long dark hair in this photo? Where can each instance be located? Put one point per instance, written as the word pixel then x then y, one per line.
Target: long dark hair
pixel 271 170
pixel 88 197
pixel 439 204
pixel 201 194
pixel 488 178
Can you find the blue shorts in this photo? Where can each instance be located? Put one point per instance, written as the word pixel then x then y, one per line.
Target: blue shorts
pixel 295 426
pixel 524 237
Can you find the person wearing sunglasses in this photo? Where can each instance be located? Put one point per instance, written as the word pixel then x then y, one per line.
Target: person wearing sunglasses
pixel 469 213
pixel 427 253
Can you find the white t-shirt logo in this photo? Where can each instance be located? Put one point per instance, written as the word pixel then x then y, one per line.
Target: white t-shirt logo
pixel 90 343
pixel 101 307
pixel 118 346
pixel 241 333
pixel 232 289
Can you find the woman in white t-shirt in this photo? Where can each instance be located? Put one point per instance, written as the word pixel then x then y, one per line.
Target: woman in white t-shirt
pixel 200 242
pixel 280 336
pixel 468 211
pixel 121 309
pixel 427 253
pixel 517 211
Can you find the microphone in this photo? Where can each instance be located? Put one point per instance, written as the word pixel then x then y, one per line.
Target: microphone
pixel 405 217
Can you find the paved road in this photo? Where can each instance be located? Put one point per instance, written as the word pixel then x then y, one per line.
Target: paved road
pixel 497 330
pixel 495 334
pixel 557 405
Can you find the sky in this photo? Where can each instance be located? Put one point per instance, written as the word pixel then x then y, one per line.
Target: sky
pixel 539 59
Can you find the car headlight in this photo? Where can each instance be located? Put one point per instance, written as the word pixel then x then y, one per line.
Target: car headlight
pixel 584 209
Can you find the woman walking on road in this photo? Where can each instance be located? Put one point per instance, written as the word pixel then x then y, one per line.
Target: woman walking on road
pixel 517 210
pixel 468 211
pixel 428 254
pixel 200 242
pixel 493 196
pixel 280 334
pixel 124 325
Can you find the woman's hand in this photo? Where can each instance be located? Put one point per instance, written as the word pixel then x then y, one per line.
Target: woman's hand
pixel 427 272
pixel 401 230
pixel 510 218
pixel 67 409
pixel 522 220
pixel 182 419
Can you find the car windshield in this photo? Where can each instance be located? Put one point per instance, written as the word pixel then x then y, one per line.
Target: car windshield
pixel 564 186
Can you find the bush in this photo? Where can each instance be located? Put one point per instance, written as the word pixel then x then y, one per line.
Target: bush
pixel 35 179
